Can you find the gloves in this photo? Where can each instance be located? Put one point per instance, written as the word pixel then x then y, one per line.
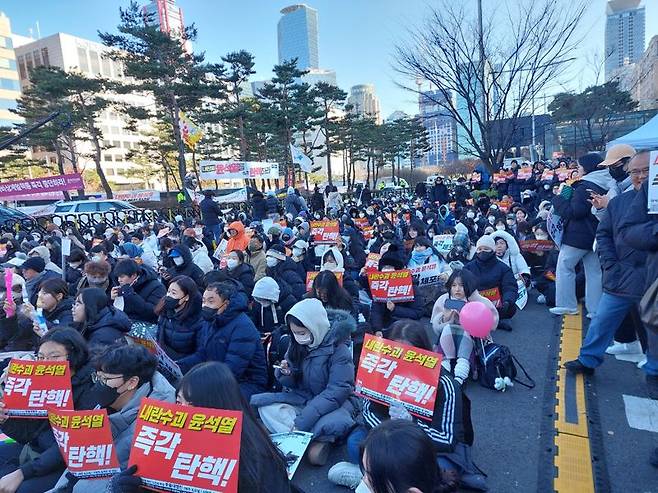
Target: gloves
pixel 125 482
pixel 397 411
pixel 462 369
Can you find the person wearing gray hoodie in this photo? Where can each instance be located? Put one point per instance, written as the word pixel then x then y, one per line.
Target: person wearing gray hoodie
pixel 44 253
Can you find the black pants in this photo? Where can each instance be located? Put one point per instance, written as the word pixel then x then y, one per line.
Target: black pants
pixel 9 462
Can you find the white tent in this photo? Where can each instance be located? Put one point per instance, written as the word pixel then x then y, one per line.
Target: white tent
pixel 645 137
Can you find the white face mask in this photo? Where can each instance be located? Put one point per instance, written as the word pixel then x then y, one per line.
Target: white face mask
pixel 304 340
pixel 492 219
pixel 297 252
pixel 231 263
pixel 470 214
pixel 500 227
pixel 271 261
pixel 330 265
pixel 179 261
pixel 541 236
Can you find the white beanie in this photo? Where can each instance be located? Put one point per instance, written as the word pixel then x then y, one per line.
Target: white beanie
pixel 460 228
pixel 266 288
pixel 486 241
pixel 312 314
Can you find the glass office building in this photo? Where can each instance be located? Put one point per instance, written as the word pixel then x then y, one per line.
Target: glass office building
pixel 10 89
pixel 624 34
pixel 298 36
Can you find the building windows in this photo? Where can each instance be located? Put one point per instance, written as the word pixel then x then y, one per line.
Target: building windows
pixel 110 171
pixel 45 57
pixel 7 104
pixel 22 68
pixel 9 84
pixel 95 63
pixel 82 60
pixel 106 67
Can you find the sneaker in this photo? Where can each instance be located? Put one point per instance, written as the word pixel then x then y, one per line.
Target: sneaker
pixel 561 310
pixel 345 474
pixel 576 366
pixel 625 348
pixel 652 386
pixel 642 362
pixel 591 316
pixel 541 299
pixel 505 325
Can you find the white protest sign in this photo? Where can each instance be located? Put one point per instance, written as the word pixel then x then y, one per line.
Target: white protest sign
pixel 443 243
pixel 652 205
pixel 427 274
pixel 292 445
pixel 522 297
pixel 66 246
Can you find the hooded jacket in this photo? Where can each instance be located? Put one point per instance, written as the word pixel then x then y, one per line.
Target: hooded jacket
pixel 349 283
pixel 178 332
pixel 44 253
pixel 323 384
pixel 293 204
pixel 285 272
pixel 439 193
pixel 210 211
pixel 258 206
pixel 140 298
pixel 334 201
pixel 494 274
pixel 272 204
pixel 238 242
pixel 61 314
pixel 512 256
pixel 188 267
pixel 258 261
pixel 245 274
pixel 122 424
pixel 267 318
pixel 110 325
pixel 232 338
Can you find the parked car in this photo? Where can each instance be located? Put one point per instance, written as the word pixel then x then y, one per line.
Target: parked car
pixel 9 214
pixel 67 210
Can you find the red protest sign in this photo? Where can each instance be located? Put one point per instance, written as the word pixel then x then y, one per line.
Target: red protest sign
pixel 361 222
pixel 547 175
pixel 493 295
pixel 534 246
pixel 395 372
pixel 85 441
pixel 524 173
pixel 186 448
pixel 372 262
pixel 368 232
pixel 310 277
pixel 34 386
pixel 500 177
pixel 563 173
pixel 395 286
pixel 324 232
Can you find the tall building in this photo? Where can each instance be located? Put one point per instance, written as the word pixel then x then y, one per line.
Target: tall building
pixel 10 89
pixel 298 36
pixel 365 102
pixel 624 34
pixel 168 17
pixel 441 127
pixel 641 78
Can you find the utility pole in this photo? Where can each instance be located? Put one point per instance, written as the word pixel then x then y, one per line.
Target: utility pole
pixel 485 109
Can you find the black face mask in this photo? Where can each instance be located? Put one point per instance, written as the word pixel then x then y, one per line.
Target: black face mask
pixel 104 394
pixel 208 314
pixel 486 256
pixel 618 173
pixel 388 235
pixel 171 303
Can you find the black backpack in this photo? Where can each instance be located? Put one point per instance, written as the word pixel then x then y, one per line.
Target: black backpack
pixel 496 361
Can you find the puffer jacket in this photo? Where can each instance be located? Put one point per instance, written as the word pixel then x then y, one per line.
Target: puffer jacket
pixel 285 272
pixel 210 211
pixel 623 266
pixel 187 268
pixel 512 257
pixel 178 334
pixel 232 338
pixel 140 298
pixel 272 204
pixel 62 315
pixel 258 207
pixel 494 274
pixel 381 317
pixel 245 274
pixel 293 204
pixel 110 325
pixel 323 385
pixel 240 241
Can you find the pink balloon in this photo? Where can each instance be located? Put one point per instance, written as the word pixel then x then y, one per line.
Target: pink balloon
pixel 476 318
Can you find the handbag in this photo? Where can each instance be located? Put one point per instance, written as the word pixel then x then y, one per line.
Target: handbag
pixel 649 307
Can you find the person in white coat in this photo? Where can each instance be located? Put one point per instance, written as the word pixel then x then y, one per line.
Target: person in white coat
pixel 200 256
pixel 508 252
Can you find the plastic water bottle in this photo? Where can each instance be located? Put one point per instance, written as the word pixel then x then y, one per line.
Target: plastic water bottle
pixel 41 321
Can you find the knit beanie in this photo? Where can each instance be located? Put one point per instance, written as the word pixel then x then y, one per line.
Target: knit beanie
pixel 486 241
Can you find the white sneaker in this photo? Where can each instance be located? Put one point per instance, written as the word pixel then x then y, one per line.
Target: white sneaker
pixel 345 474
pixel 561 310
pixel 591 316
pixel 541 299
pixel 642 362
pixel 624 348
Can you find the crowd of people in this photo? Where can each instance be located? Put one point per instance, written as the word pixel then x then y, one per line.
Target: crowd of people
pixel 226 297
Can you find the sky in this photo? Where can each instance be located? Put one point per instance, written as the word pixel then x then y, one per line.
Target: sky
pixel 357 37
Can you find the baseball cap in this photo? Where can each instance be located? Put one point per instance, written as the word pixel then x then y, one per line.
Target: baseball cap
pixel 616 153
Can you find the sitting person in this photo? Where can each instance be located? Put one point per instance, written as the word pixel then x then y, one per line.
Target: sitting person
pixel 284 271
pixel 318 379
pixel 240 270
pixel 56 303
pixel 508 252
pixel 138 292
pixel 495 280
pixel 95 274
pixel 99 323
pixel 16 331
pixel 270 305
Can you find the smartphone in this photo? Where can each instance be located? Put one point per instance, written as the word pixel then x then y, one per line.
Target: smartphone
pixel 451 304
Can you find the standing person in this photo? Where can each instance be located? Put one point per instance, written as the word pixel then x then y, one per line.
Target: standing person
pixel 573 204
pixel 210 212
pixel 293 204
pixel 616 160
pixel 258 206
pixel 272 206
pixel 317 200
pixel 623 274
pixel 421 190
pixel 439 193
pixel 366 196
pixel 334 201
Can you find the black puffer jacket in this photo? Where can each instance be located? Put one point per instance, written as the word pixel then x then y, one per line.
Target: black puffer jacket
pixel 62 315
pixel 110 325
pixel 187 268
pixel 140 298
pixel 258 207
pixel 178 332
pixel 494 274
pixel 286 272
pixel 245 274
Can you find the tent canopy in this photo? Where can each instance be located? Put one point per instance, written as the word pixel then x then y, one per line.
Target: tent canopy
pixel 645 137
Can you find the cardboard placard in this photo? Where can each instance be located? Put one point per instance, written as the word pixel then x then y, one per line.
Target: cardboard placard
pixel 395 286
pixel 427 274
pixel 185 448
pixel 522 293
pixel 443 243
pixel 292 445
pixel 32 387
pixel 325 232
pixel 372 262
pixel 534 246
pixel 361 222
pixel 310 277
pixel 167 366
pixel 368 232
pixel 392 372
pixel 85 440
pixel 563 173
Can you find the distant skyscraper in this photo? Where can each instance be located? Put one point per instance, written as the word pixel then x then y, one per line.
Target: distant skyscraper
pixel 10 89
pixel 441 127
pixel 624 34
pixel 365 101
pixel 298 36
pixel 168 17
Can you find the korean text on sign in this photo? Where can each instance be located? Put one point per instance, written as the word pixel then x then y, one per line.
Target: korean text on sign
pixel 372 262
pixel 34 386
pixel 310 277
pixel 395 286
pixel 394 372
pixel 184 448
pixel 324 232
pixel 85 441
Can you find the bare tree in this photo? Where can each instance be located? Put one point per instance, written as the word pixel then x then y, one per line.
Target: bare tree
pixel 483 73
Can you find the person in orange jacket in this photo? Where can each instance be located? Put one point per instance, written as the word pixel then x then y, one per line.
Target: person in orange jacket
pixel 238 240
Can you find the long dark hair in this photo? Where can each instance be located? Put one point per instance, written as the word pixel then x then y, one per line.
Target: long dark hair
pixel 94 299
pixel 72 340
pixel 213 385
pixel 410 331
pixel 468 281
pixel 190 288
pixel 388 470
pixel 338 297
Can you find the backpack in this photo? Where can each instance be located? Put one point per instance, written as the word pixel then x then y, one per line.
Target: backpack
pixel 496 367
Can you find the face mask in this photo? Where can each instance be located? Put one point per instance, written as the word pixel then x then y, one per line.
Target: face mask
pixel 330 265
pixel 316 216
pixel 208 314
pixel 87 237
pixel 510 222
pixel 171 303
pixel 470 214
pixel 420 255
pixel 231 263
pixel 179 261
pixel 297 252
pixel 75 265
pixel 491 219
pixel 485 256
pixel 547 187
pixel 500 227
pixel 304 340
pixel 105 395
pixel 541 236
pixel 254 246
pixel 362 214
pixel 271 262
pixel 618 173
pixel 96 258
pixel 96 281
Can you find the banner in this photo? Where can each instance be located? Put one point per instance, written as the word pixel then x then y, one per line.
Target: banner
pixel 189 131
pixel 185 448
pixel 493 295
pixel 324 232
pixel 534 246
pixel 547 175
pixel 500 177
pixel 394 372
pixel 522 296
pixel 524 173
pixel 395 286
pixel 34 386
pixel 443 243
pixel 137 195
pixel 372 262
pixel 166 365
pixel 300 159
pixel 233 197
pixel 228 170
pixel 56 183
pixel 85 441
pixel 427 274
pixel 652 204
pixel 292 445
pixel 310 277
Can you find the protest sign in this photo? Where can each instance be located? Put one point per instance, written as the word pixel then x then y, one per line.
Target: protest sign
pixel 395 286
pixel 186 448
pixel 368 232
pixel 361 222
pixel 228 170
pixel 534 246
pixel 443 243
pixel 34 386
pixel 563 173
pixel 167 366
pixel 547 175
pixel 394 372
pixel 524 173
pixel 500 178
pixel 292 445
pixel 324 232
pixel 522 296
pixel 372 262
pixel 493 295
pixel 310 277
pixel 427 274
pixel 85 440
pixel 652 204
pixel 476 177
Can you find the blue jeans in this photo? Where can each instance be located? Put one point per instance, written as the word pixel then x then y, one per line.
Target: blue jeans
pixel 651 367
pixel 354 441
pixel 611 312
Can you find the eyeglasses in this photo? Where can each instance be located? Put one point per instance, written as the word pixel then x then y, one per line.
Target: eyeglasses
pixel 96 378
pixel 639 172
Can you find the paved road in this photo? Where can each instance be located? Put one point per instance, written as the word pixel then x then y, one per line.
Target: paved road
pixel 514 431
